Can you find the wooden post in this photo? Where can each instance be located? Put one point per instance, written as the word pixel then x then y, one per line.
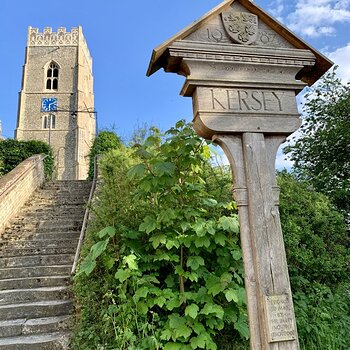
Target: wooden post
pixel 252 158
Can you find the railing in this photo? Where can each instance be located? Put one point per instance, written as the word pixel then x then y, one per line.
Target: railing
pixel 86 217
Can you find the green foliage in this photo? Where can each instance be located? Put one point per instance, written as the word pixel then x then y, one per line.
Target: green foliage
pixel 316 236
pixel 323 317
pixel 13 152
pixel 105 141
pixel 321 152
pixel 170 249
pixel 163 267
pixel 317 246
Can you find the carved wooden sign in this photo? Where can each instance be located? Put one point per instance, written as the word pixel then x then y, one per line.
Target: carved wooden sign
pixel 243 71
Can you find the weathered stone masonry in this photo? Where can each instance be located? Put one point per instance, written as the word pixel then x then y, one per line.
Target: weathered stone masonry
pixel 63 58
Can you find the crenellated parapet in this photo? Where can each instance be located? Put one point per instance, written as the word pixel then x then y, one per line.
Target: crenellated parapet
pixel 50 38
pixel 60 38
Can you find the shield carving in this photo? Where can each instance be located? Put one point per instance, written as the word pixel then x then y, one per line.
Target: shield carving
pixel 242 27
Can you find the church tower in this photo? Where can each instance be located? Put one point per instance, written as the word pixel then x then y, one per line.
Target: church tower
pixel 56 101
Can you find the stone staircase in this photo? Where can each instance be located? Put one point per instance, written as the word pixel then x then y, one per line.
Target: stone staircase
pixel 36 257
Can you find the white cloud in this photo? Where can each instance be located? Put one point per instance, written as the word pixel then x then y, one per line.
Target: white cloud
pixel 277 8
pixel 341 58
pixel 317 17
pixel 282 160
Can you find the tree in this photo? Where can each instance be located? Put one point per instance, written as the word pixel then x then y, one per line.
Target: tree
pixel 105 141
pixel 321 153
pixel 317 247
pixel 13 152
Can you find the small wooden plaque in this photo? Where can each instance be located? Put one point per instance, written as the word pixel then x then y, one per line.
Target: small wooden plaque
pixel 280 318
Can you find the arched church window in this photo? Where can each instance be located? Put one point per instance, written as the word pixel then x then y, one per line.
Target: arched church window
pixel 52 76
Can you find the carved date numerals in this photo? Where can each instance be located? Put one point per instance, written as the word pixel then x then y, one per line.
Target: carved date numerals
pixel 268 37
pixel 215 35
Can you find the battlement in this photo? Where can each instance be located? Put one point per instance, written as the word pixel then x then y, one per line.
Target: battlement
pixel 50 38
pixel 60 38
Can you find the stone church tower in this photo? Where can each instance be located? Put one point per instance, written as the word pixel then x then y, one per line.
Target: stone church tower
pixel 56 102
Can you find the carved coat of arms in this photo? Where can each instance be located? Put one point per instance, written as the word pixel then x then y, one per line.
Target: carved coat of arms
pixel 242 27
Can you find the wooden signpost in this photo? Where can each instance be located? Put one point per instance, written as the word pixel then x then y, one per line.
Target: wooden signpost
pixel 243 71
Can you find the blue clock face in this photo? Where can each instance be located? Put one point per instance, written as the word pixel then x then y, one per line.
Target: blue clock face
pixel 49 104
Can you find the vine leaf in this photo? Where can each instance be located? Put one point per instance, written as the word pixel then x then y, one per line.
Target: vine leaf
pixel 194 262
pixel 109 230
pixel 232 295
pixel 242 327
pixel 157 240
pixel 122 275
pixel 211 308
pixel 98 248
pixel 148 225
pixel 138 170
pixel 192 311
pixel 87 266
pixel 229 223
pixel 199 342
pixel 131 261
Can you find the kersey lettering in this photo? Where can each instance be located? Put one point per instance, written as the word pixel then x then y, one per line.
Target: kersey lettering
pixel 240 100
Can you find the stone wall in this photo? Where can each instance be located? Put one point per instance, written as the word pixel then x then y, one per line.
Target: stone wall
pixel 17 186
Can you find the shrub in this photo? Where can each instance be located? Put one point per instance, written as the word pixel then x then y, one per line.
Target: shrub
pixel 317 247
pixel 13 152
pixel 105 141
pixel 168 250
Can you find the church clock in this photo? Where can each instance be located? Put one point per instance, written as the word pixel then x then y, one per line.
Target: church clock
pixel 49 104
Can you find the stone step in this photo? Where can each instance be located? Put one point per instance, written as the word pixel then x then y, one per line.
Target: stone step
pixel 54 213
pixel 54 194
pixel 35 271
pixel 34 282
pixel 74 192
pixel 49 341
pixel 67 184
pixel 36 256
pixel 16 230
pixel 49 205
pixel 54 208
pixel 41 201
pixel 57 235
pixel 9 251
pixel 23 326
pixel 41 220
pixel 51 226
pixel 38 309
pixel 36 243
pixel 27 295
pixel 58 201
pixel 27 235
pixel 37 260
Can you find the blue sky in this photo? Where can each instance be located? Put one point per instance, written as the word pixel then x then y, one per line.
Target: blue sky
pixel 121 36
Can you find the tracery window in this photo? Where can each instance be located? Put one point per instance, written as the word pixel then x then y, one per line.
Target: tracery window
pixel 52 76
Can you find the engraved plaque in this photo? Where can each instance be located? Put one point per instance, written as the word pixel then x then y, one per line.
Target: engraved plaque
pixel 246 101
pixel 280 318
